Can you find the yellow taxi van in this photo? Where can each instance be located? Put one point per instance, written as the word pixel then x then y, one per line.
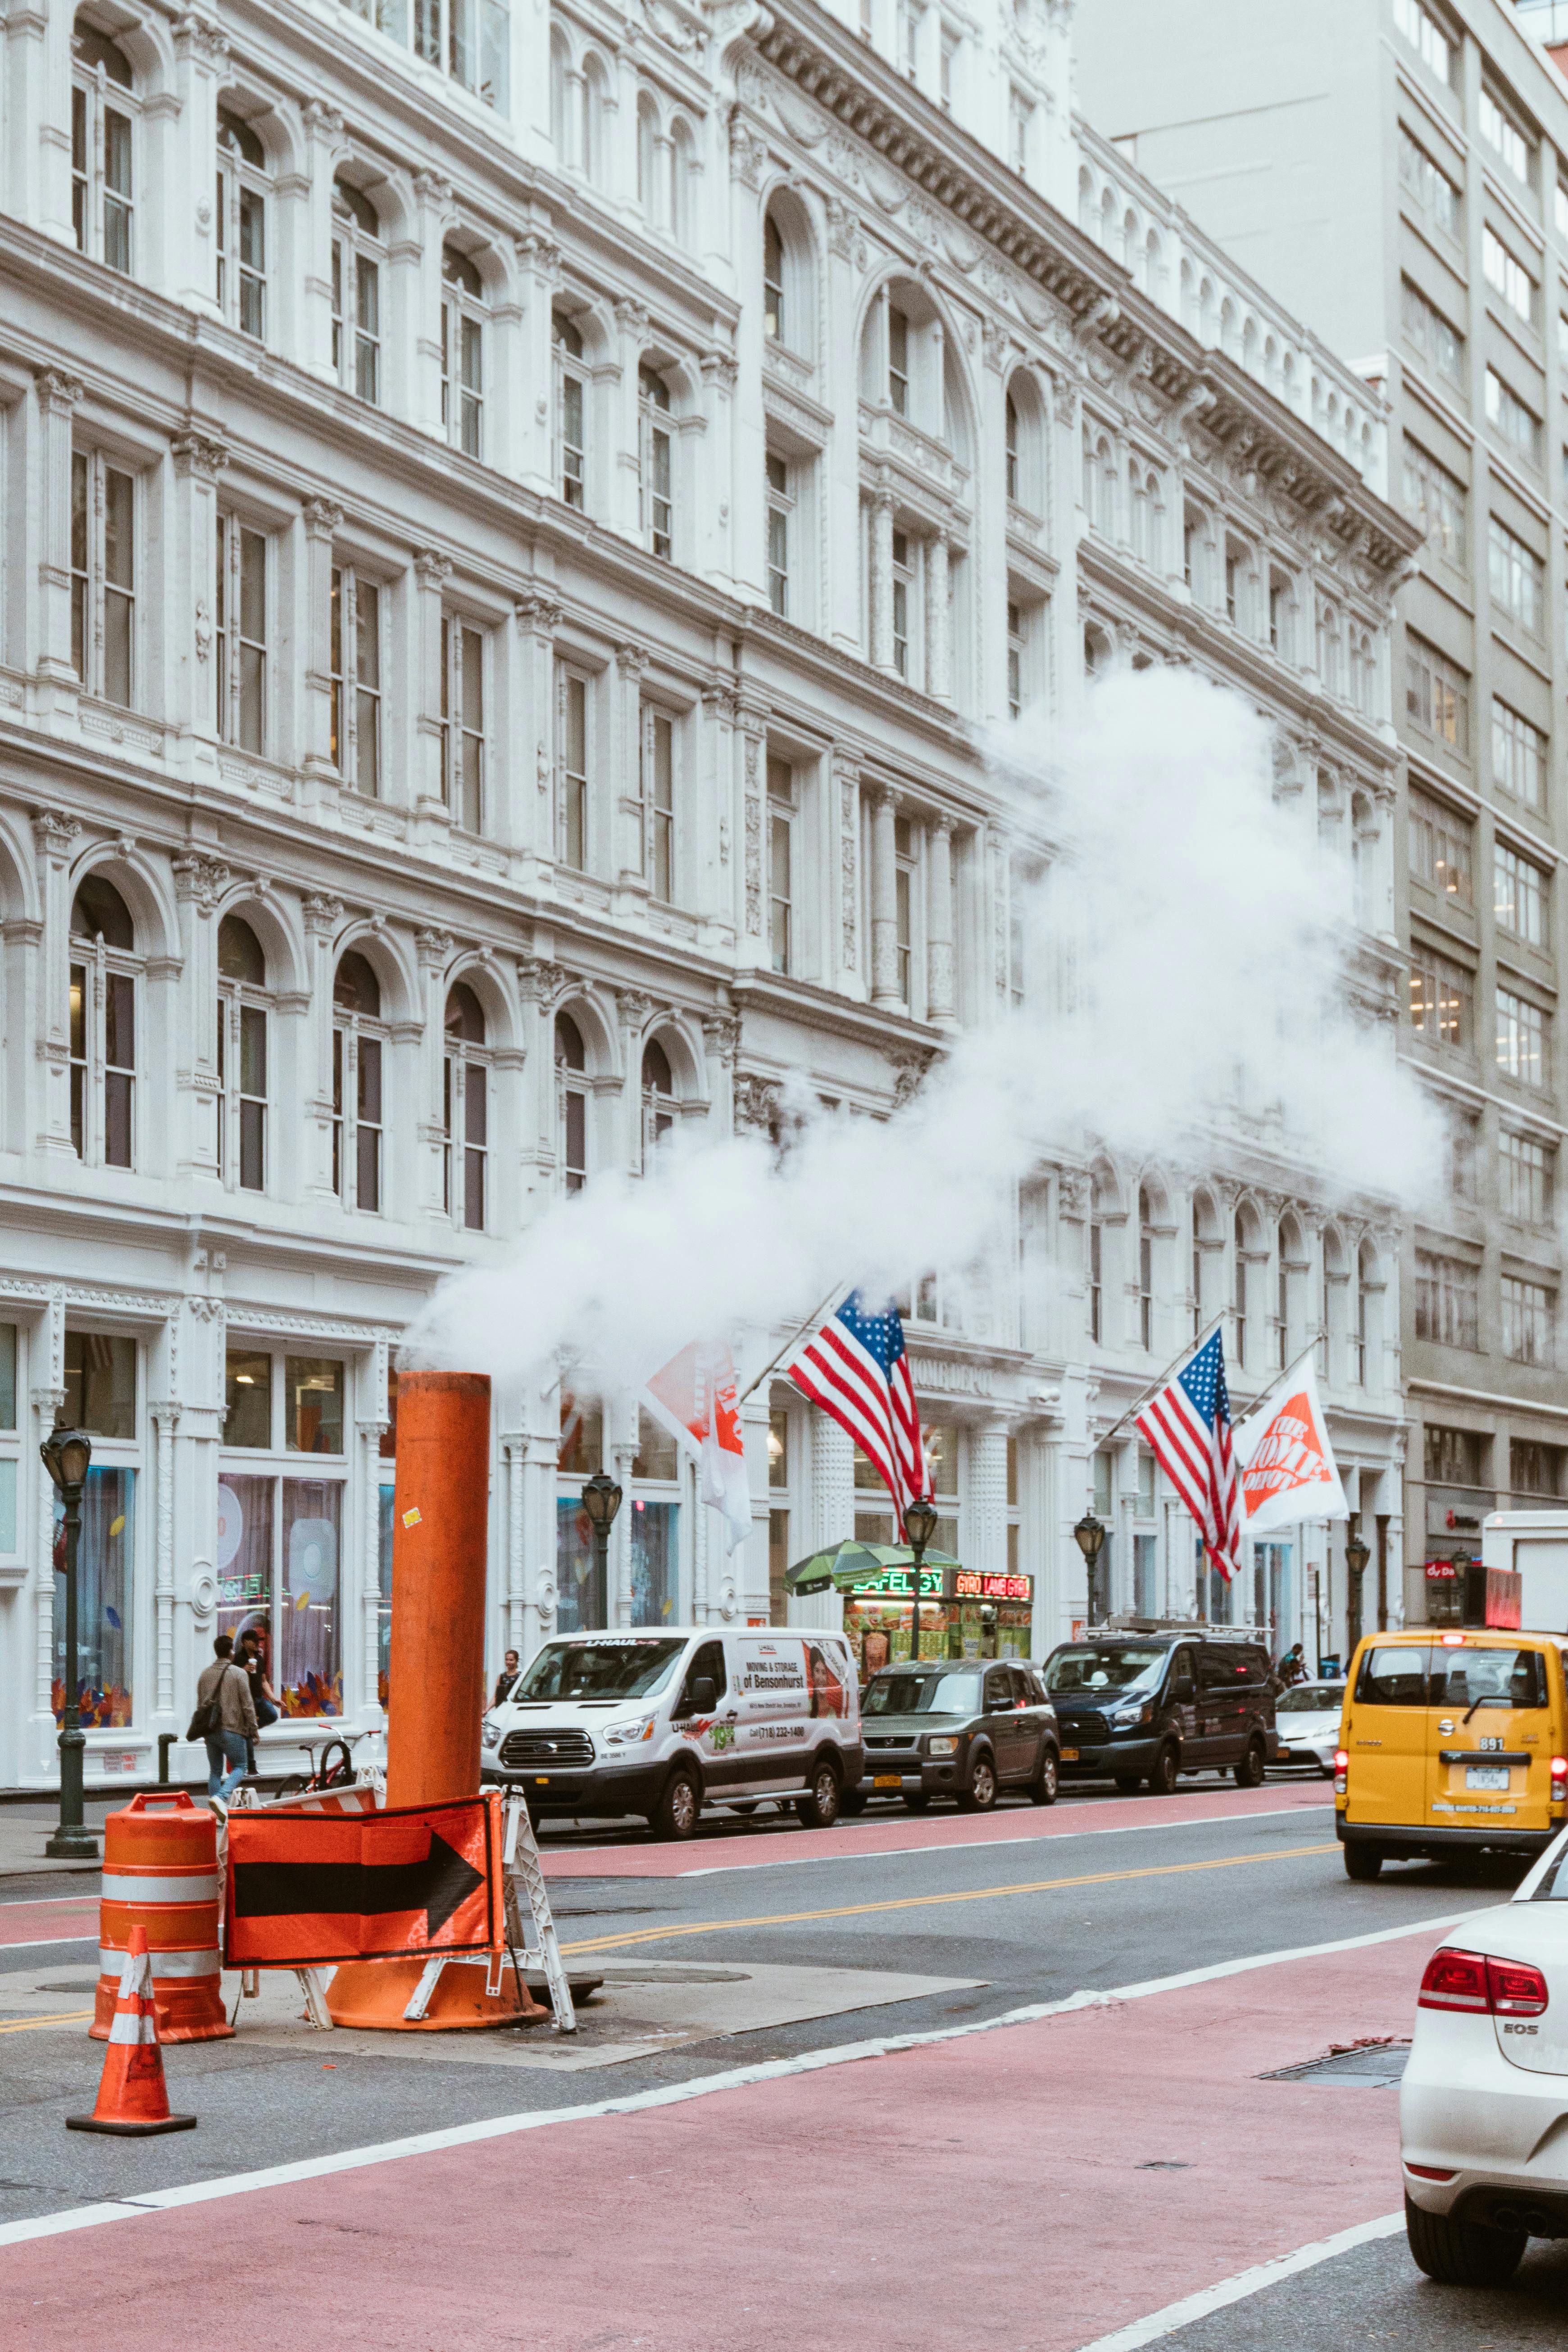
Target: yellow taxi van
pixel 1451 1742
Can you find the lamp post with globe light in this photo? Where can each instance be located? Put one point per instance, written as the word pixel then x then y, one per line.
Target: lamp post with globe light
pixel 1357 1553
pixel 920 1526
pixel 68 1455
pixel 601 1500
pixel 1090 1537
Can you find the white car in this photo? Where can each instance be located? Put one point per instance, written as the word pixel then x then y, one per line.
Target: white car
pixel 1483 2109
pixel 1307 1720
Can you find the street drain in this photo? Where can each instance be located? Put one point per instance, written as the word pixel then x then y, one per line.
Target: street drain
pixel 1370 2065
pixel 1164 2164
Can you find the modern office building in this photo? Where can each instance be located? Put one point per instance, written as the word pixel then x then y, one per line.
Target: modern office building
pixel 1398 173
pixel 514 521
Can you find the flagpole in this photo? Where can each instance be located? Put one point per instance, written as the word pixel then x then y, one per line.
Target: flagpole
pixel 1139 1402
pixel 792 1342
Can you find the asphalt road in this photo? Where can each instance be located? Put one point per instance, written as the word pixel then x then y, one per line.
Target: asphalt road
pixel 1090 1897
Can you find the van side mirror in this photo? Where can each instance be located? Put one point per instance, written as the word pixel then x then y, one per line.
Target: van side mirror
pixel 702 1695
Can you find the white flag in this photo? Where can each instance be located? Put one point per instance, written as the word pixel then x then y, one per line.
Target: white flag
pixel 695 1399
pixel 1289 1471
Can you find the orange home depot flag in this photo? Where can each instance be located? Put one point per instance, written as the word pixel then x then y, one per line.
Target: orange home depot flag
pixel 696 1398
pixel 1288 1472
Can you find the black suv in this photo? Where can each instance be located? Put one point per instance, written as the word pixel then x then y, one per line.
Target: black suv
pixel 963 1727
pixel 1146 1706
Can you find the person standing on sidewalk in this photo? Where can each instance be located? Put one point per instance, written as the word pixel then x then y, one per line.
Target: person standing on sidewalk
pixel 236 1726
pixel 263 1698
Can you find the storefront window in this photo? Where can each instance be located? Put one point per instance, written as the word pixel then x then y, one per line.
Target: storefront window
pixel 579 1587
pixel 105 1554
pixel 313 1404
pixel 655 1555
pixel 279 1550
pixel 100 1385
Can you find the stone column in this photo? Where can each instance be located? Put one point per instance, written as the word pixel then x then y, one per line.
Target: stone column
pixel 939 620
pixel 832 1511
pixel 753 719
pixel 722 1038
pixel 884 898
pixel 189 158
pixel 58 395
pixel 534 818
pixel 626 425
pixel 323 915
pixel 710 477
pixel 55 833
pixel 434 196
pixel 324 144
pixel 627 862
pixel 882 580
pixel 199 883
pixel 434 952
pixel 428 784
pixel 532 425
pixel 618 1566
pixel 165 1421
pixel 635 1007
pixel 47 1399
pixel 941 1006
pixel 191 581
pixel 844 949
pixel 985 1538
pixel 539 983
pixel 322 521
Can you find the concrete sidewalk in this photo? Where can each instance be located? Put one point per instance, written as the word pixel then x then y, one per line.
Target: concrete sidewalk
pixel 26 1828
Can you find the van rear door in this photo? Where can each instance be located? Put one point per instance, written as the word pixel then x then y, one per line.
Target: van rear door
pixel 1491 1749
pixel 1388 1731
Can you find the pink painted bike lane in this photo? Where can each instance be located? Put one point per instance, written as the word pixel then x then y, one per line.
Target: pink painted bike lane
pixel 1033 2187
pixel 906 1834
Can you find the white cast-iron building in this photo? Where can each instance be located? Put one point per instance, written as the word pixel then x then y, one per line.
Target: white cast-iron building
pixel 509 523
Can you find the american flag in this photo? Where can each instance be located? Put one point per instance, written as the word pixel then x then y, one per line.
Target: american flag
pixel 1188 1426
pixel 855 1368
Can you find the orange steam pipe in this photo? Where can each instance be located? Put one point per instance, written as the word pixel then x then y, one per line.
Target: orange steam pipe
pixel 440 1514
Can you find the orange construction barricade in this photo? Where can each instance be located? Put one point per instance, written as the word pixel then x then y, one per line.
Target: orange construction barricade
pixel 161 1875
pixel 132 2099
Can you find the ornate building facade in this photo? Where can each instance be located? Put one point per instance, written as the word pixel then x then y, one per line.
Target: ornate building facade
pixel 515 524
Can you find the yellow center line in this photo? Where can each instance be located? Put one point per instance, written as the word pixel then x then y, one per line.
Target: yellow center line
pixel 31 2024
pixel 922 1902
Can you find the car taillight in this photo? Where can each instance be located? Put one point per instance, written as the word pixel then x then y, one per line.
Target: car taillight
pixel 1474 1982
pixel 1560 1780
pixel 1341 1770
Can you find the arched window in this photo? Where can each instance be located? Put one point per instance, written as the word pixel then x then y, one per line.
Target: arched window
pixel 1330 649
pixel 1143 483
pixel 571 415
pixel 462 350
pixel 104 971
pixel 105 125
pixel 1099 1202
pixel 1287 1258
pixel 242 1056
pixel 1145 1268
pixel 594 148
pixel 656 463
pixel 465 1110
pixel 571 1084
pixel 658 1097
pixel 358 1106
pixel 1012 449
pixel 775 310
pixel 559 123
pixel 682 181
pixel 1331 1303
pixel 1243 1302
pixel 647 159
pixel 1206 1235
pixel 1363 860
pixel 240 224
pixel 1362 1335
pixel 358 254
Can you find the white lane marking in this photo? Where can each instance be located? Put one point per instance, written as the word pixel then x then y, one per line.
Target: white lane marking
pixel 32 1943
pixel 968 1845
pixel 1244 2283
pixel 810 2061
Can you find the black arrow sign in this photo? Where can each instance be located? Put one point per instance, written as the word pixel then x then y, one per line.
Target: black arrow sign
pixel 438 1885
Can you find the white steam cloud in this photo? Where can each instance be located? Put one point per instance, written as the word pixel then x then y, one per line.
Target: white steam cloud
pixel 1187 951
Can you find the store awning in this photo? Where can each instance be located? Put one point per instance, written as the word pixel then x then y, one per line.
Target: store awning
pixel 844 1566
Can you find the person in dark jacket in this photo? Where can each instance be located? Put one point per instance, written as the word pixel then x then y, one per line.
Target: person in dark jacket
pixel 263 1698
pixel 507 1679
pixel 227 1746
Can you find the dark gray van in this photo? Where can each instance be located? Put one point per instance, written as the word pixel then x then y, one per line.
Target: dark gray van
pixel 1145 1707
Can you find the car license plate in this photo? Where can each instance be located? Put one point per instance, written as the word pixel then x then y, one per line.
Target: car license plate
pixel 887 1781
pixel 1486 1775
pixel 1069 1755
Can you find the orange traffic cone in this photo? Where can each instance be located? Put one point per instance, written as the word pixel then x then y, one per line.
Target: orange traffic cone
pixel 132 2099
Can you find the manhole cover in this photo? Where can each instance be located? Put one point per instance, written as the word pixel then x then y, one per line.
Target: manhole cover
pixel 615 1975
pixel 1364 2065
pixel 70 1984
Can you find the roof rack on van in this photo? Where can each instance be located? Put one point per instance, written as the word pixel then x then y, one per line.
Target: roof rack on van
pixel 1129 1624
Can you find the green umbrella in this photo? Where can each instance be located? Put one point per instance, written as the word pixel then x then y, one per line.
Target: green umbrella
pixel 843 1567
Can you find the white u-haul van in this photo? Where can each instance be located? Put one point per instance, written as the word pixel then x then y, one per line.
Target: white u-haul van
pixel 666 1720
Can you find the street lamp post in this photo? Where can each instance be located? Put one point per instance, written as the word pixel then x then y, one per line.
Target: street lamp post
pixel 67 1453
pixel 920 1526
pixel 601 1500
pixel 1089 1535
pixel 1358 1551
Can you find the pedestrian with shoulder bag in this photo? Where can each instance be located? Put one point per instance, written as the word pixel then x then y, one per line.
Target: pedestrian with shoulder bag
pixel 225 1718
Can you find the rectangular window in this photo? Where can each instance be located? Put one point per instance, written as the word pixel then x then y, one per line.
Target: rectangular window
pixel 780 505
pixel 1533 1468
pixel 950 41
pixel 1508 277
pixel 1517 576
pixel 1020 116
pixel 1512 420
pixel 1519 895
pixel 1524 1037
pixel 1519 756
pixel 1436 694
pixel 1015 650
pixel 312 1405
pixel 1455 1457
pixel 1425 35
pixel 463 723
pixel 898 360
pixel 241 635
pixel 1528 1321
pixel 903 588
pixel 106 1556
pixel 1435 500
pixel 247 1399
pixel 1527 1179
pixel 99 1384
pixel 103 577
pixel 658 788
pixel 572 737
pixel 780 864
pixel 356 1116
pixel 904 873
pixel 1439 343
pixel 101 165
pixel 570 405
pixel 1448 1300
pixel 354 666
pixel 462 374
pixel 1440 848
pixel 1504 138
pixel 239 227
pixel 1430 187
pixel 655 472
pixel 912 21
pixel 1096 1284
pixel 242 1057
pixel 1442 1000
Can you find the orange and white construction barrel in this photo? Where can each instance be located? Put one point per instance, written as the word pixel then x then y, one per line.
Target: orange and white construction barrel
pixel 161 1873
